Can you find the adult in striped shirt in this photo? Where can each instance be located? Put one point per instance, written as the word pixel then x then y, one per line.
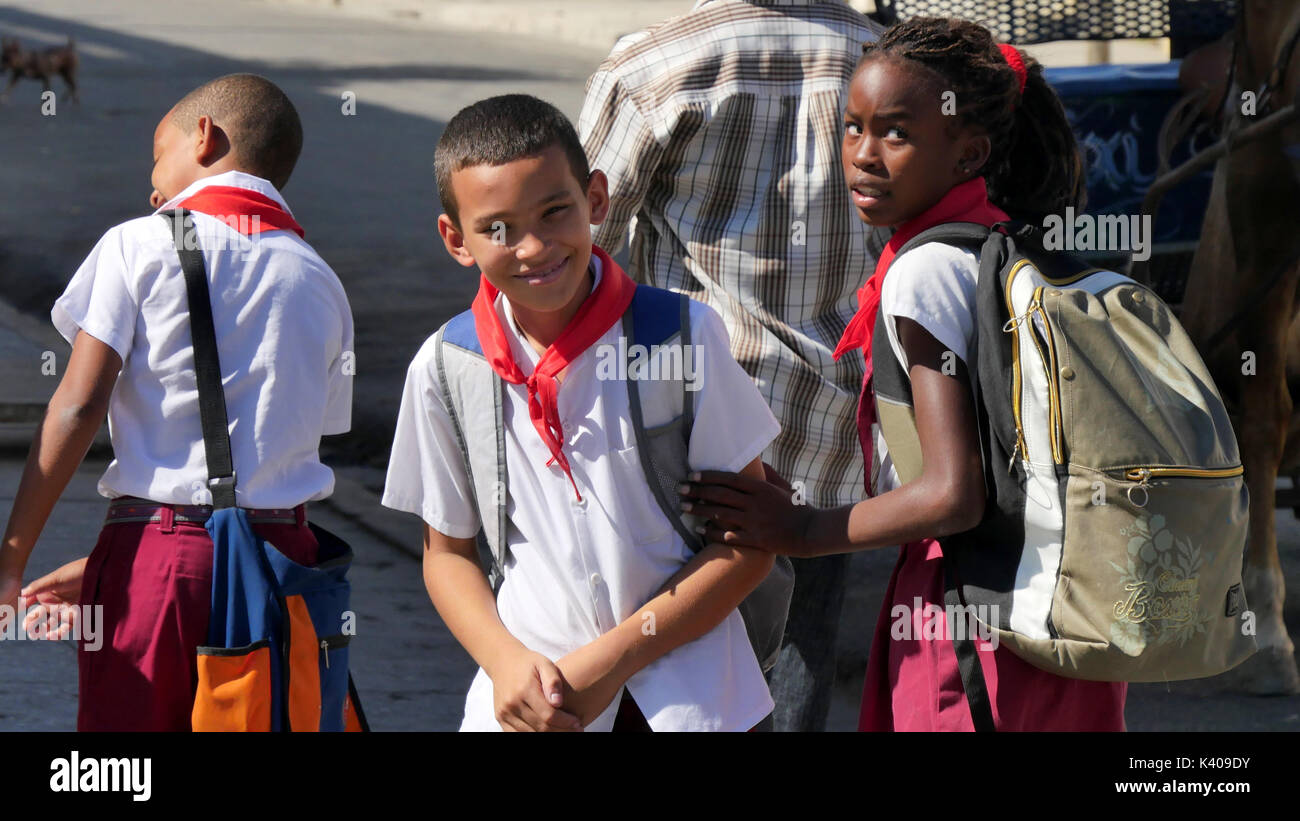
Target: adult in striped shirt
pixel 720 133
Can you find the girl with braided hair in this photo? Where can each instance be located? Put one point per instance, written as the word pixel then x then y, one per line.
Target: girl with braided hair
pixel 941 124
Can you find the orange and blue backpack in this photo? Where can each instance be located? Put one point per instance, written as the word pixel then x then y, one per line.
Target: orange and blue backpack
pixel 277 654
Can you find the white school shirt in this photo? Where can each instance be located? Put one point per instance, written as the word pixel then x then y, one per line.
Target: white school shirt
pixel 934 285
pixel 576 571
pixel 284 336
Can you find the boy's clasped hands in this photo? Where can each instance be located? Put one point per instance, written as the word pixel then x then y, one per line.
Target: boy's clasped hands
pixel 533 694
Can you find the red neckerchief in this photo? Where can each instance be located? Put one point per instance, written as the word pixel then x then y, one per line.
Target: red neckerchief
pixel 598 313
pixel 228 203
pixel 965 202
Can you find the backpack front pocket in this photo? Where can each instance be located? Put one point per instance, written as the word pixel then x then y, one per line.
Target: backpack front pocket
pixel 234 689
pixel 1150 581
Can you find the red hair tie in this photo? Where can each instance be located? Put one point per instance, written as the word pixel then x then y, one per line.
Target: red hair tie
pixel 1017 63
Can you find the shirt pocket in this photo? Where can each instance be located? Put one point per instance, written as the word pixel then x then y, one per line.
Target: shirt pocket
pixel 635 510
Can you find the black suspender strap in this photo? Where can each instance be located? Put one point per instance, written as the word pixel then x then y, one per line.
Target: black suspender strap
pixel 207 365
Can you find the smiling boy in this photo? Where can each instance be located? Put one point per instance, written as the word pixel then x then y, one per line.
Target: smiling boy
pixel 605 618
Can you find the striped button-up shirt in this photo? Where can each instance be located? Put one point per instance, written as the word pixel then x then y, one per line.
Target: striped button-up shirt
pixel 720 133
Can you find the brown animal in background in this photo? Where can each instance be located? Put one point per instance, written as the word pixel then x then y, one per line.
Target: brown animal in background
pixel 1248 260
pixel 39 65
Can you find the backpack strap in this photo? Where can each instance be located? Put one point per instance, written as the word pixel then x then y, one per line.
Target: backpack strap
pixel 890 383
pixel 962 234
pixel 207 364
pixel 490 497
pixel 655 317
pixel 968 662
pixel 971 236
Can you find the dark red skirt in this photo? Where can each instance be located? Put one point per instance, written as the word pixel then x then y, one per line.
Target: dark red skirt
pixel 913 683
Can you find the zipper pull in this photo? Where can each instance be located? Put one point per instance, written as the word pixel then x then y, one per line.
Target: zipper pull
pixel 325 645
pixel 1014 451
pixel 1014 322
pixel 1142 476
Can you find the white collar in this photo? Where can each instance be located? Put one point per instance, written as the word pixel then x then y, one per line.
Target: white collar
pixel 235 179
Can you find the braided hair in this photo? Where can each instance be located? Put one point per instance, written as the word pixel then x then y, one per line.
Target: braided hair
pixel 1034 167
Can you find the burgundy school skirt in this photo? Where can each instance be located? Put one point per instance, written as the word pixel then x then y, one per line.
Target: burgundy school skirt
pixel 153 580
pixel 913 683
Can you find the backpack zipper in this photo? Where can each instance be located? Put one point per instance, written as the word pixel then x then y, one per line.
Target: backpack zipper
pixel 333 643
pixel 1055 423
pixel 1012 326
pixel 1142 474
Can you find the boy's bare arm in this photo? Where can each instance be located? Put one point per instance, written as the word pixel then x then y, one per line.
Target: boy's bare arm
pixel 72 418
pixel 526 686
pixel 696 599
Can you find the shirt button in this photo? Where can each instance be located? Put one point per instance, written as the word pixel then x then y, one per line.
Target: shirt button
pixel 596 580
pixel 578 504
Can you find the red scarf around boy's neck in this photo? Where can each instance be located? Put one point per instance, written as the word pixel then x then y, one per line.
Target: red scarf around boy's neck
pixel 964 202
pixel 229 203
pixel 597 314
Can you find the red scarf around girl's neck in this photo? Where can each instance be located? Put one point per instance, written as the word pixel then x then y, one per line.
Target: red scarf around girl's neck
pixel 597 314
pixel 964 202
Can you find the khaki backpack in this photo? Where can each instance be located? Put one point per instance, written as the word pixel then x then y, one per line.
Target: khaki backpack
pixel 1112 541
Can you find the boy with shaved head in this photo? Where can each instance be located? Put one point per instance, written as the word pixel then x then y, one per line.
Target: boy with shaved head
pixel 284 337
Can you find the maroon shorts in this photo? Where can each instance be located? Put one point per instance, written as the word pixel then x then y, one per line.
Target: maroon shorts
pixel 154 583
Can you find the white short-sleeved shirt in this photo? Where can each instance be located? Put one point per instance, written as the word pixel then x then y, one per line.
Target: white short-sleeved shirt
pixel 284 337
pixel 576 571
pixel 933 285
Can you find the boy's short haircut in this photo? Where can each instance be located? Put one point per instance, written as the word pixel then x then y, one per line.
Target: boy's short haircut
pixel 499 130
pixel 262 124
